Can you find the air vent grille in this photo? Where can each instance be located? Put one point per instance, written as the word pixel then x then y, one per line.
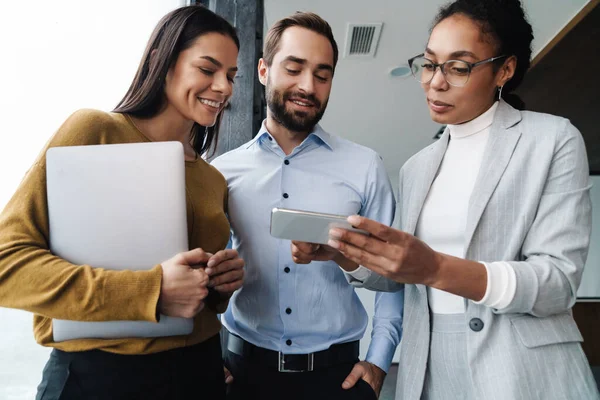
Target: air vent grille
pixel 362 39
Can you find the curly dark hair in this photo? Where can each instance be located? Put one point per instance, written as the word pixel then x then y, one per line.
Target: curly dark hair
pixel 505 23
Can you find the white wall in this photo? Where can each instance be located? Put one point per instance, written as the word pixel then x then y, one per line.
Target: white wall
pixel 59 56
pixel 590 282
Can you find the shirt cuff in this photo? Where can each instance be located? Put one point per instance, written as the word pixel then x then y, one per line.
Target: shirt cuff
pixel 360 274
pixel 381 353
pixel 501 285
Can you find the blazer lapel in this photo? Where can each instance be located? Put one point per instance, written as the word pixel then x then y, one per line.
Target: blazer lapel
pixel 420 186
pixel 499 149
pixel 423 179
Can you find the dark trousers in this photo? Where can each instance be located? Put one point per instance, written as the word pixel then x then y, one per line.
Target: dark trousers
pixel 194 372
pixel 255 381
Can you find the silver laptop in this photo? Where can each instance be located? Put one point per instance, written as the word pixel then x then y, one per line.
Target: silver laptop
pixel 119 206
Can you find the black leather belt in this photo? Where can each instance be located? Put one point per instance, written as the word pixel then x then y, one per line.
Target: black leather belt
pixel 335 355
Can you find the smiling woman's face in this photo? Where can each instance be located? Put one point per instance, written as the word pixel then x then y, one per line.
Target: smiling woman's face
pixel 201 81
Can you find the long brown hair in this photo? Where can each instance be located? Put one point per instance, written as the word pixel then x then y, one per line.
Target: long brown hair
pixel 175 32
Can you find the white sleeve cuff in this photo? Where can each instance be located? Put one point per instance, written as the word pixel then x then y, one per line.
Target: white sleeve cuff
pixel 360 274
pixel 501 285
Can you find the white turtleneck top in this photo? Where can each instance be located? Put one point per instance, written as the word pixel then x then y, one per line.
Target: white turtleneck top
pixel 443 219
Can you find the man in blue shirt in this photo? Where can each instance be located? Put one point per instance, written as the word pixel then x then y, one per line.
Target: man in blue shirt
pixel 302 318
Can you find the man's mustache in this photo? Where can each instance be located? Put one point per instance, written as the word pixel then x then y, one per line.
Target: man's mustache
pixel 309 97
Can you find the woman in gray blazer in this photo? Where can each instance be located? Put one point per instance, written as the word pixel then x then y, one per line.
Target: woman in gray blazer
pixel 495 222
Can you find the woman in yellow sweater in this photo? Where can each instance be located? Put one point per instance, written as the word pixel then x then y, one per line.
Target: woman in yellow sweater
pixel 183 82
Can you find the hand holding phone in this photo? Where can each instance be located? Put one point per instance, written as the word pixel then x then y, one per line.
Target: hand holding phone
pixel 306 226
pixel 305 253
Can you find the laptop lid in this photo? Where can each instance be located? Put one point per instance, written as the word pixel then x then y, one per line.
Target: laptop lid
pixel 117 206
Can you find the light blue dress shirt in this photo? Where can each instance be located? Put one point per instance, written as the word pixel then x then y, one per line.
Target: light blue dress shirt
pixel 293 308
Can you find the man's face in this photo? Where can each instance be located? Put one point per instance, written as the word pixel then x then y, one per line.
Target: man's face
pixel 298 82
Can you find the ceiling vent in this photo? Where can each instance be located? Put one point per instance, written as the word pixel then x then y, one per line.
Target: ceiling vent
pixel 362 39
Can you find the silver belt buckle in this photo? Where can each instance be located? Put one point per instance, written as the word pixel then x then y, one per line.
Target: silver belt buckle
pixel 309 364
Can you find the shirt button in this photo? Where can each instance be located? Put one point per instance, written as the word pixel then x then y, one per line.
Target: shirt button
pixel 287 162
pixel 476 324
pixel 287 270
pixel 270 138
pixel 288 311
pixel 285 195
pixel 288 342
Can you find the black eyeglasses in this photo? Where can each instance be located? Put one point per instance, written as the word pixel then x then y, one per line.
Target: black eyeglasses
pixel 456 72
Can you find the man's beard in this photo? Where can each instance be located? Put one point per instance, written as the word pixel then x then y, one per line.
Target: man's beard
pixel 295 121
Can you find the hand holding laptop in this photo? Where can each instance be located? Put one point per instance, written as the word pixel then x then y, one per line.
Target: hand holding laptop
pixel 185 285
pixel 226 272
pixel 83 179
pixel 105 203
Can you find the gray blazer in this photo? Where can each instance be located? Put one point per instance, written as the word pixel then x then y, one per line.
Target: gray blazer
pixel 531 207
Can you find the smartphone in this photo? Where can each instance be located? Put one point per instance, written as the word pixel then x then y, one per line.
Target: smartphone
pixel 306 226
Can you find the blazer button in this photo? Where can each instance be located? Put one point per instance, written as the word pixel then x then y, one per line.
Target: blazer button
pixel 476 324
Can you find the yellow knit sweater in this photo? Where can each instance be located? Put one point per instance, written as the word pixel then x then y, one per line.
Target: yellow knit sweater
pixel 33 279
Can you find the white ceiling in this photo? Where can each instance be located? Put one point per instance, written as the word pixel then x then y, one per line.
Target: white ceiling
pixel 370 107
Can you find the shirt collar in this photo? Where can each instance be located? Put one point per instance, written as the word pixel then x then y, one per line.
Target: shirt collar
pixel 317 135
pixel 474 126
